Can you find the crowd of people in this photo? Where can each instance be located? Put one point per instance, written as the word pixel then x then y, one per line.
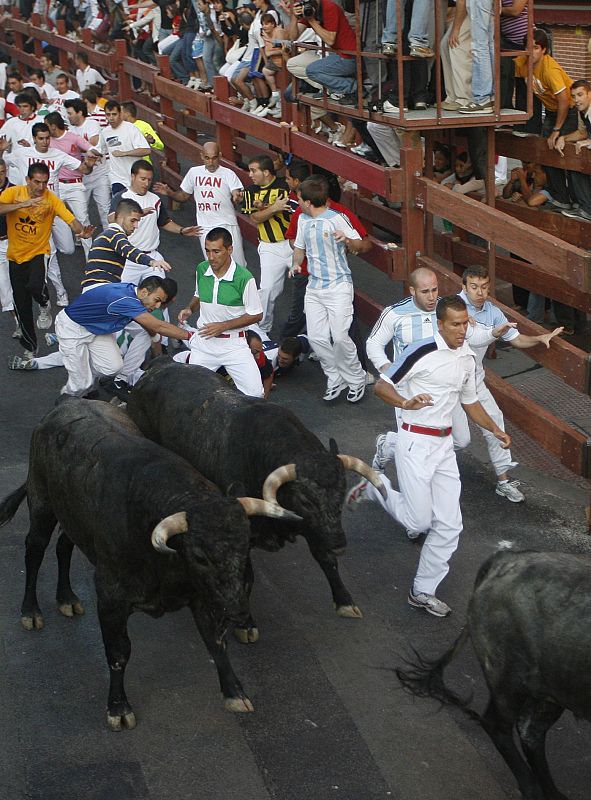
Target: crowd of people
pixel 62 147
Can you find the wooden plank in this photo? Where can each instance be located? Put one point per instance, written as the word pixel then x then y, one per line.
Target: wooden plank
pixel 562 358
pixel 177 93
pixel 556 224
pixel 521 273
pixel 569 445
pixel 232 117
pixel 366 308
pixel 553 256
pixel 138 69
pixel 535 148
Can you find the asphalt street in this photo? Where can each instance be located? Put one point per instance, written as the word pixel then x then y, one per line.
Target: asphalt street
pixel 330 720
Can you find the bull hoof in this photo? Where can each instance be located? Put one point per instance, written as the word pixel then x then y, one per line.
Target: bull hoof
pixel 247 635
pixel 33 622
pixel 117 723
pixel 239 705
pixel 71 609
pixel 350 612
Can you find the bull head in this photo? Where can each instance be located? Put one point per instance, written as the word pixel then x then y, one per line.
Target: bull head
pixel 287 473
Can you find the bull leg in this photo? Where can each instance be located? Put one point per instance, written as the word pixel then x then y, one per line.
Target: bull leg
pixel 234 695
pixel 40 530
pixel 113 614
pixel 533 724
pixel 343 602
pixel 67 602
pixel 248 632
pixel 500 730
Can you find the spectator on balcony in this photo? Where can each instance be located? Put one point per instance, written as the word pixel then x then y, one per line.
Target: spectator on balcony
pixel 146 29
pixel 513 37
pixel 553 86
pixel 273 37
pixel 87 77
pixel 463 180
pixel 528 184
pixel 250 60
pixel 441 162
pixel 579 182
pixel 337 70
pixel 210 29
pixel 481 14
pixel 181 60
pixel 456 60
pixel 237 50
pixel 418 35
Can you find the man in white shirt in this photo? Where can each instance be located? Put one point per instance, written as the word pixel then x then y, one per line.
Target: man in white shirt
pixel 426 382
pixel 47 92
pixel 216 191
pixel 98 183
pixel 95 112
pixel 124 143
pixel 86 76
pixel 64 93
pixel 15 85
pixel 19 129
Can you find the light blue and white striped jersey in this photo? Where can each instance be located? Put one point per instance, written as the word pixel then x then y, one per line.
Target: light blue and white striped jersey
pixel 327 258
pixel 490 317
pixel 402 324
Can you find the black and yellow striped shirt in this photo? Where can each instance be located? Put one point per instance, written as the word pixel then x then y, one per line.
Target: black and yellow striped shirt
pixel 108 254
pixel 274 228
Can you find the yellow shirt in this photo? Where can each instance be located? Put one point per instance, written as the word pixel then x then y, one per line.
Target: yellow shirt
pixel 29 228
pixel 147 130
pixel 549 80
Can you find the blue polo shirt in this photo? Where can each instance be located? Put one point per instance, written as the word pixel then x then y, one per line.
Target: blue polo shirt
pixel 106 308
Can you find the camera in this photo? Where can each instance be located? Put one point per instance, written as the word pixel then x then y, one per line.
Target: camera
pixel 309 8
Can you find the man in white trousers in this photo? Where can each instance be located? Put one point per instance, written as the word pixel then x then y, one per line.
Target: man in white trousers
pixel 217 190
pixel 228 303
pixel 476 283
pixel 426 382
pixel 324 236
pixel 267 202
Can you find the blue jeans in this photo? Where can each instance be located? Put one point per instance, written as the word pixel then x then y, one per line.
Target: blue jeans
pixel 482 23
pixel 422 10
pixel 334 72
pixel 181 62
pixel 213 57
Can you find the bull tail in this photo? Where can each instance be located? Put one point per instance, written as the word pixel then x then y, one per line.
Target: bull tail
pixel 424 678
pixel 9 506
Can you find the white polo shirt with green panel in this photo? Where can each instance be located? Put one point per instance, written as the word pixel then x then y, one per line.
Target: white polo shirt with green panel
pixel 228 297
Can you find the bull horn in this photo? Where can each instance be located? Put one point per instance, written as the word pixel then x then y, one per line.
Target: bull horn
pixel 167 527
pixel 255 507
pixel 276 479
pixel 372 475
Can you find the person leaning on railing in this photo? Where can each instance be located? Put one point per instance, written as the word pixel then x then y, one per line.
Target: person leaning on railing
pixel 580 184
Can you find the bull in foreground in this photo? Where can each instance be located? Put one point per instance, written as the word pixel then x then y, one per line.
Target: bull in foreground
pixel 233 438
pixel 160 536
pixel 528 620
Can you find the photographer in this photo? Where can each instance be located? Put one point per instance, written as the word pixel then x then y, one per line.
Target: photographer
pixel 335 71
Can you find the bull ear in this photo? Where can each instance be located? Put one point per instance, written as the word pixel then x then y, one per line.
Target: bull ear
pixel 333 447
pixel 236 489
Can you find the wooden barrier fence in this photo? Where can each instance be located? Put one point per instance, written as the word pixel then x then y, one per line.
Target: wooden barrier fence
pixel 562 270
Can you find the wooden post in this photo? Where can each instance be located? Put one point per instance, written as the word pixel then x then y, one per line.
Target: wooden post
pixel 224 134
pixel 125 87
pixel 413 216
pixel 490 199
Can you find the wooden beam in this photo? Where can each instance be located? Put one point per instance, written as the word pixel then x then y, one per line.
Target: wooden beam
pixel 556 224
pixel 569 445
pixel 535 148
pixel 562 358
pixel 553 256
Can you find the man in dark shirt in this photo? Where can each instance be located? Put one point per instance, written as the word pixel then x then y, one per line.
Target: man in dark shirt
pixel 267 202
pixel 6 299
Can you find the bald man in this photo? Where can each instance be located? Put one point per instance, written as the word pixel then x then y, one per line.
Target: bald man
pixel 217 190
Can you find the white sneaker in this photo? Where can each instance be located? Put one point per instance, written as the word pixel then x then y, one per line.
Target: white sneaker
pixel 336 135
pixel 510 491
pixel 430 603
pixel 370 379
pixel 50 339
pixel 381 458
pixel 246 104
pixel 413 535
pixel 45 320
pixel 252 104
pixel 17 333
pixel 63 300
pixel 17 362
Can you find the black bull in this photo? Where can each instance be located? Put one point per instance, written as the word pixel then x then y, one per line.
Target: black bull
pixel 528 620
pixel 119 498
pixel 234 439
